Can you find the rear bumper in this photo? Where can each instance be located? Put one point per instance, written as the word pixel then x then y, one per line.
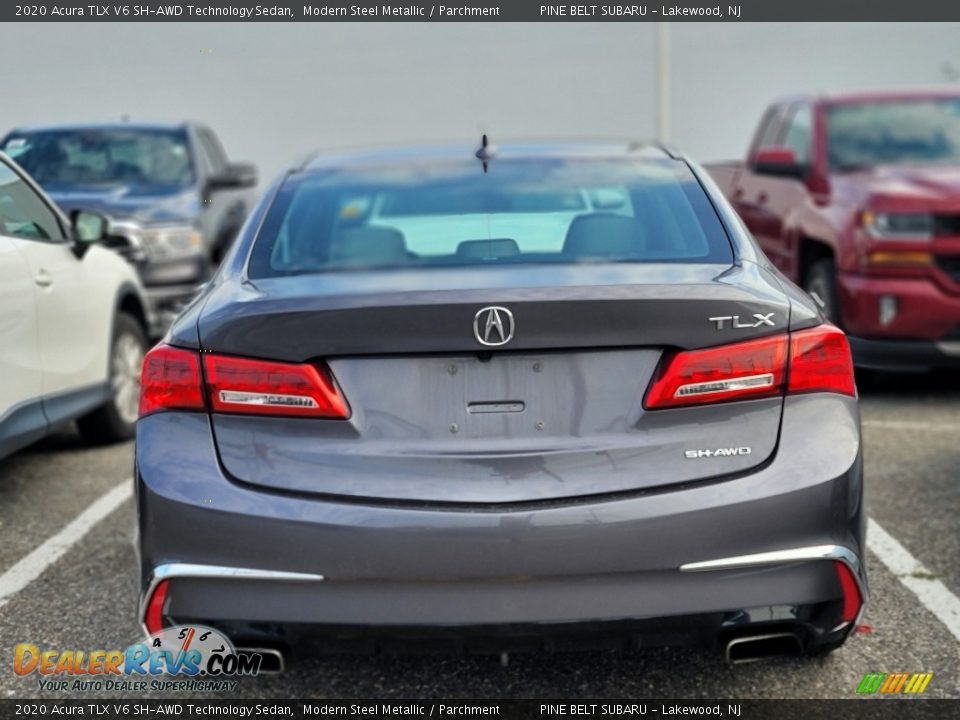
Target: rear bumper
pixel 306 613
pixel 585 563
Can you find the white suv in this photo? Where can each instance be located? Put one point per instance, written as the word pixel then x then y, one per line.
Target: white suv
pixel 72 321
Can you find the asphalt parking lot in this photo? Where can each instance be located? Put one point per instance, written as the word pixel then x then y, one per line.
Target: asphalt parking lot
pixel 85 597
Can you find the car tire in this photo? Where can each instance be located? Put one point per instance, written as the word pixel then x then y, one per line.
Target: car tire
pixel 821 283
pixel 116 420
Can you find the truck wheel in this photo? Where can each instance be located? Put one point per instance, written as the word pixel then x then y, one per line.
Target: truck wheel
pixel 116 420
pixel 821 283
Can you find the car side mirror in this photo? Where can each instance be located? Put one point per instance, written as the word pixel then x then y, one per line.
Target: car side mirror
pixel 87 228
pixel 780 161
pixel 235 177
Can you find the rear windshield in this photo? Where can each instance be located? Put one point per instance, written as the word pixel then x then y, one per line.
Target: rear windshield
pixel 519 211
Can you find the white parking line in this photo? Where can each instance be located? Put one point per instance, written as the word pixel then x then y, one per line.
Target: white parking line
pixel 932 593
pixel 923 425
pixel 43 556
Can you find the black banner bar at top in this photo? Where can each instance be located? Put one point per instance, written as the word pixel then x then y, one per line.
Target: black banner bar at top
pixel 482 11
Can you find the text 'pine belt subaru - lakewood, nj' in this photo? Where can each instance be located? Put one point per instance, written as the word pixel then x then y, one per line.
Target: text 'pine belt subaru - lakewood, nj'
pixel 544 396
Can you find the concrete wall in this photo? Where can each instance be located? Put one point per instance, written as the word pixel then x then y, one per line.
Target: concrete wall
pixel 275 91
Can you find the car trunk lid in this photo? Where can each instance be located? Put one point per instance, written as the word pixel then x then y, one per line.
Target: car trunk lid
pixel 437 417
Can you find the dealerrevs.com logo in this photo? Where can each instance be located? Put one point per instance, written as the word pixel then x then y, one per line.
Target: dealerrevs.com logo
pixel 180 658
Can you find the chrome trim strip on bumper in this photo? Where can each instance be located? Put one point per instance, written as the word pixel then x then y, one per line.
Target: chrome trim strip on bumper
pixel 792 555
pixel 168 571
pixel 815 552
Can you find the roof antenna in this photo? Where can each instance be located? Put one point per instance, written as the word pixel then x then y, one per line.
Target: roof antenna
pixel 486 152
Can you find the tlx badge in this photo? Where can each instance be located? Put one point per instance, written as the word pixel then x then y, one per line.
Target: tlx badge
pixel 735 323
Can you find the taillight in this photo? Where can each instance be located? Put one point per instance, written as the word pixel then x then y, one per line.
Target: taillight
pixel 751 369
pixel 263 387
pixel 170 380
pixel 153 617
pixel 820 361
pixel 814 360
pixel 852 601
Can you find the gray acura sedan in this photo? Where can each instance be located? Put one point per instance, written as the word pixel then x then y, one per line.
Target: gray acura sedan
pixel 530 396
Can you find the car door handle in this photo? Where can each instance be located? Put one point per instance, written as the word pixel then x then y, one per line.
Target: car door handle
pixel 43 279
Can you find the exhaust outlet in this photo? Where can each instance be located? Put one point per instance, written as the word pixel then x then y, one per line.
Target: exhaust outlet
pixel 271 659
pixel 752 648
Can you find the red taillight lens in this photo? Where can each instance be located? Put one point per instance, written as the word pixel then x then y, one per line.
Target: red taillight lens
pixel 852 601
pixel 170 380
pixel 153 618
pixel 263 387
pixel 820 361
pixel 755 368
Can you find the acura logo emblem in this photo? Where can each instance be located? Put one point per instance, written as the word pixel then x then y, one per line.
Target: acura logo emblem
pixel 493 326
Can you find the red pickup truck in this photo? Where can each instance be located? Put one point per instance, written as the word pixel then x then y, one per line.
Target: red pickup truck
pixel 856 198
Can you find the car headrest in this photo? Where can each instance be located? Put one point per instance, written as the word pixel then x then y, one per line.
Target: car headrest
pixel 605 235
pixel 488 249
pixel 367 245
